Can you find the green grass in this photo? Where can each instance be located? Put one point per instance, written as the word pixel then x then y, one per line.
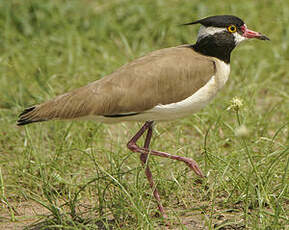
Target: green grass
pixel 80 175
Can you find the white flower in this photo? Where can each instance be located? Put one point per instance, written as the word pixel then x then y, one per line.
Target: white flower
pixel 242 131
pixel 236 104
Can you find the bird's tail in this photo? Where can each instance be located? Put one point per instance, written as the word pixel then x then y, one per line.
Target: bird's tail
pixel 71 105
pixel 52 109
pixel 30 115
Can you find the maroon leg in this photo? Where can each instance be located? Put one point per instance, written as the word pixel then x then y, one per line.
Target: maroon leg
pixel 144 154
pixel 148 173
pixel 135 148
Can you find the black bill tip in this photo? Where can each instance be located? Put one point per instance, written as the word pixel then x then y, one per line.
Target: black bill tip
pixel 263 37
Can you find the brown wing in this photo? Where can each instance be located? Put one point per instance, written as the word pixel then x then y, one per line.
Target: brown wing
pixel 161 77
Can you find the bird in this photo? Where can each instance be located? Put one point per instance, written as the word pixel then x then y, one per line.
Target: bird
pixel 166 84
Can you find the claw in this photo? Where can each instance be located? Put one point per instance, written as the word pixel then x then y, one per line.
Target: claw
pixel 194 166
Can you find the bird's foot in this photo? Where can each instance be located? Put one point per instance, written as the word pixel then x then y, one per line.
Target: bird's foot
pixel 194 166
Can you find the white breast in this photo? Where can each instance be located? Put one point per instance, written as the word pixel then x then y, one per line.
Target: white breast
pixel 195 102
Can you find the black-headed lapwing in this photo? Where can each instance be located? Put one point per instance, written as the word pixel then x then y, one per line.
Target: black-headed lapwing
pixel 164 85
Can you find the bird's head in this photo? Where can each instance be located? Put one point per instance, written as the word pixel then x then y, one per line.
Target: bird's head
pixel 219 35
pixel 226 29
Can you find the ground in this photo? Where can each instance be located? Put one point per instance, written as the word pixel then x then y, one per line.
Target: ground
pixel 80 175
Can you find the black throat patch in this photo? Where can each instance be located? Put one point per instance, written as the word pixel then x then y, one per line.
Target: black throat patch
pixel 219 45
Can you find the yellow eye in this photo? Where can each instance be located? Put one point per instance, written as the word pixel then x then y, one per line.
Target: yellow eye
pixel 232 28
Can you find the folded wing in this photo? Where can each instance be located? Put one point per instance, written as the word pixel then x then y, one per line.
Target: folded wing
pixel 161 77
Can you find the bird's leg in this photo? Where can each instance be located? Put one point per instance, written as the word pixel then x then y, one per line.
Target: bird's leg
pixel 144 156
pixel 135 148
pixel 148 173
